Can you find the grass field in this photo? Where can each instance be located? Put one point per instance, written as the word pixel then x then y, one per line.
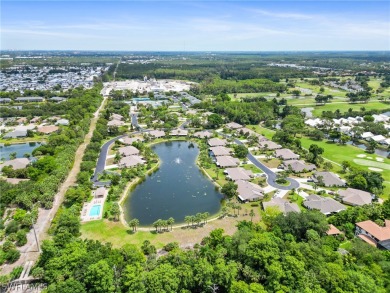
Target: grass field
pixel 345 106
pixel 118 235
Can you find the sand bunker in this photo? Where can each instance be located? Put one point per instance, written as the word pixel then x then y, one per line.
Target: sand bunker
pixel 380 159
pixel 375 169
pixel 361 156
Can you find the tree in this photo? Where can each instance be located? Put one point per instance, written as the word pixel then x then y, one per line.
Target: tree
pixel 12 156
pixel 115 211
pixel 134 223
pixel 215 120
pixel 372 145
pixel 240 151
pixel 345 165
pixel 251 214
pixel 170 222
pixel 229 189
pixel 99 278
pixel 187 219
pixel 328 166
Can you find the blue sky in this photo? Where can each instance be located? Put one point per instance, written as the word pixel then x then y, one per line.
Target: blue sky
pixel 195 25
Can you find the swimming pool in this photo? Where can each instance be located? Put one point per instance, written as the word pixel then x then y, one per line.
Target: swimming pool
pixel 95 211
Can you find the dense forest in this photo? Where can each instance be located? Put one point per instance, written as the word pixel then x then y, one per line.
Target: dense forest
pixel 289 254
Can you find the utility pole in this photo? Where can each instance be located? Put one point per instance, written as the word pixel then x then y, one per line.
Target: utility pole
pixel 35 234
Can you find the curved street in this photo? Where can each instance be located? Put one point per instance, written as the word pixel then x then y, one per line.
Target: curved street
pixel 271 176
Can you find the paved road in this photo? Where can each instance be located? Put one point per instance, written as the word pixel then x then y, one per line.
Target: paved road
pixel 101 163
pixel 271 176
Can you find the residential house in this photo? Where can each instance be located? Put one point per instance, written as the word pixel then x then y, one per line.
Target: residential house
pixel 179 132
pixel 282 205
pixel 128 151
pixel 5 100
pixel 366 135
pixel 130 140
pixel 116 123
pixel 203 134
pixel 328 179
pixel 333 231
pixel 233 125
pixel 64 122
pixel 269 145
pixel 16 134
pixel 325 205
pixel 116 117
pixel 213 142
pixel 57 99
pixel 131 161
pixel 48 129
pixel 355 197
pixel 227 161
pixel 374 234
pixel 298 166
pixel 238 173
pixel 248 191
pixel 29 99
pixel 220 151
pixel 157 133
pixel 379 138
pixel 286 154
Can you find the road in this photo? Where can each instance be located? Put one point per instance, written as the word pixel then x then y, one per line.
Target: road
pixel 101 163
pixel 271 175
pixel 29 252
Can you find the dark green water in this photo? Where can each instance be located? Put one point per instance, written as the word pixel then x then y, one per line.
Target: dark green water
pixel 176 190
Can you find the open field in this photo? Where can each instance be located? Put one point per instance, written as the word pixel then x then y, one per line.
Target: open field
pixel 344 107
pixel 118 235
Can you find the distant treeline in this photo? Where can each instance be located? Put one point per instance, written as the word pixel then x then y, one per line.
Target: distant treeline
pixel 217 86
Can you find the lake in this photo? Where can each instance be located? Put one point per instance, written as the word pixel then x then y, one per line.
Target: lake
pixel 177 189
pixel 20 149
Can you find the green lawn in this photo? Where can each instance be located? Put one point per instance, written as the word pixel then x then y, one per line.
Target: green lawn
pixel 114 232
pixel 268 133
pixel 251 167
pixel 345 106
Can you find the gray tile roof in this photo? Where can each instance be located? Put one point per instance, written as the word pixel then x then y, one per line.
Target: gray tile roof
pixel 283 205
pixel 238 173
pixel 355 197
pixel 328 178
pixel 325 205
pixel 247 191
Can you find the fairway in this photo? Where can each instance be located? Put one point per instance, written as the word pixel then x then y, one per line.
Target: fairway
pixel 344 107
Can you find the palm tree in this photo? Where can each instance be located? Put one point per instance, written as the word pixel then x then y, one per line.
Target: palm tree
pixel 164 224
pixel 205 216
pixel 156 224
pixel 225 210
pixel 135 223
pixel 198 218
pixel 171 221
pixel 251 214
pixel 193 219
pixel 187 219
pixel 238 207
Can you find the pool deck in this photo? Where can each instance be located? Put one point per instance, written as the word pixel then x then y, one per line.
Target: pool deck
pixel 85 212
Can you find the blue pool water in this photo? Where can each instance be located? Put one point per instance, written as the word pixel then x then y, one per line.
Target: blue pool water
pixel 95 211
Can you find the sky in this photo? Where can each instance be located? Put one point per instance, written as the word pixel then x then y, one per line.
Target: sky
pixel 195 25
